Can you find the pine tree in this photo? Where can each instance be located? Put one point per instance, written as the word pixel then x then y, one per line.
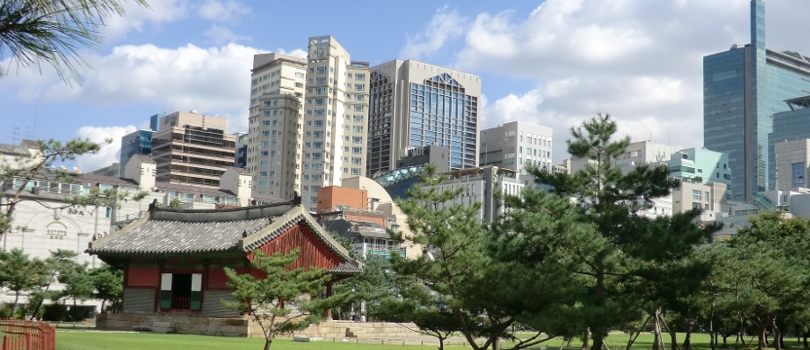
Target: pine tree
pixel 284 301
pixel 628 248
pixel 468 278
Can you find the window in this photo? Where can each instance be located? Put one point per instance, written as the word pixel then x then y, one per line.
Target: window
pixel 357 129
pixel 299 85
pixel 321 70
pixel 357 150
pixel 360 87
pixel 181 291
pixel 797 174
pixel 358 108
pixel 696 195
pixel 355 171
pixel 357 139
pixel 358 118
pixel 359 76
pixel 299 75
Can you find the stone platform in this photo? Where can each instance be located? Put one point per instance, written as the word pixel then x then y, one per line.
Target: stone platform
pixel 330 330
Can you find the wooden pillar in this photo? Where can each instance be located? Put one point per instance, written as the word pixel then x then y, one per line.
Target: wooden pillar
pixel 328 294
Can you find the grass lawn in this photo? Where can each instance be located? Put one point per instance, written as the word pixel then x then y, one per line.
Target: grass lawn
pixel 91 340
pixel 80 340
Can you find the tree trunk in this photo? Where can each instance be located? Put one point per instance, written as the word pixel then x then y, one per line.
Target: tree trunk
pixel 659 340
pixel 103 301
pixel 761 335
pixel 267 343
pixel 725 340
pixel 804 341
pixel 777 336
pixel 598 333
pixel 441 343
pixel 687 340
pixel 586 339
pixel 14 307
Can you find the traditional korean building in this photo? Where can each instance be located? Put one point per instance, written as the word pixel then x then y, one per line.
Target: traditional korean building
pixel 173 262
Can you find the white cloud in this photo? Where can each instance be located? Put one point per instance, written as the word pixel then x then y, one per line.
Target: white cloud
pixel 221 35
pixel 445 25
pixel 109 153
pixel 214 81
pixel 640 61
pixel 215 10
pixel 137 16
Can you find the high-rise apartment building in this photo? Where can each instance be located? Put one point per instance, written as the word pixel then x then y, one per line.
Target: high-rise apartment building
pixel 414 104
pixel 192 149
pixel 515 144
pixel 336 119
pixel 308 120
pixel 743 87
pixel 275 126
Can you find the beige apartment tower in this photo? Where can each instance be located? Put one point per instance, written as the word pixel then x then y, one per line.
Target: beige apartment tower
pixel 275 124
pixel 192 149
pixel 336 118
pixel 308 120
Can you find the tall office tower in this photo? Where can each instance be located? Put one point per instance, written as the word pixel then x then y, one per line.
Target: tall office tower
pixel 275 125
pixel 335 119
pixel 742 88
pixel 192 149
pixel 515 144
pixel 414 104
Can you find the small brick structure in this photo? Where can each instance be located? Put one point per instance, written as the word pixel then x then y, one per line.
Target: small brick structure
pixel 174 323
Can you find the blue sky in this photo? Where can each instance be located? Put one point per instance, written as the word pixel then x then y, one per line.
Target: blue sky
pixel 553 65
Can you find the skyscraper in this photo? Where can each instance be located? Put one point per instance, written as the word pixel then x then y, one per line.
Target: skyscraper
pixel 413 104
pixel 275 124
pixel 742 88
pixel 308 120
pixel 336 117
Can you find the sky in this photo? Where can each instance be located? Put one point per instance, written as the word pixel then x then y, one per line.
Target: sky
pixel 553 63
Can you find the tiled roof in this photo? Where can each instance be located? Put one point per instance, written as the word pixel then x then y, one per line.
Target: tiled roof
pixel 171 231
pixel 346 268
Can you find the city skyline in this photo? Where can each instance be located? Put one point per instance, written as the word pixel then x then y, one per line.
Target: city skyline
pixel 555 65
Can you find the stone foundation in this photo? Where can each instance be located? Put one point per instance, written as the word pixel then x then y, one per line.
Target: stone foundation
pixel 172 323
pixel 239 327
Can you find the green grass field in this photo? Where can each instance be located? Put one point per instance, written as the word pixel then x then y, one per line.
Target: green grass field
pixel 91 340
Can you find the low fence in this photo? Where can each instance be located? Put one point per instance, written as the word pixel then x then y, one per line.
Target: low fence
pixel 27 335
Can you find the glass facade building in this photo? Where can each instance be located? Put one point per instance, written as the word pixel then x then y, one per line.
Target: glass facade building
pixel 138 142
pixel 742 89
pixel 413 104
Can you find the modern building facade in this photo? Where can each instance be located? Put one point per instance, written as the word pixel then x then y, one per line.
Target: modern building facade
pixel 336 119
pixel 792 159
pixel 644 153
pixel 240 157
pixel 275 125
pixel 787 126
pixel 742 89
pixel 192 149
pixel 700 165
pixel 414 104
pixel 516 144
pixel 137 142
